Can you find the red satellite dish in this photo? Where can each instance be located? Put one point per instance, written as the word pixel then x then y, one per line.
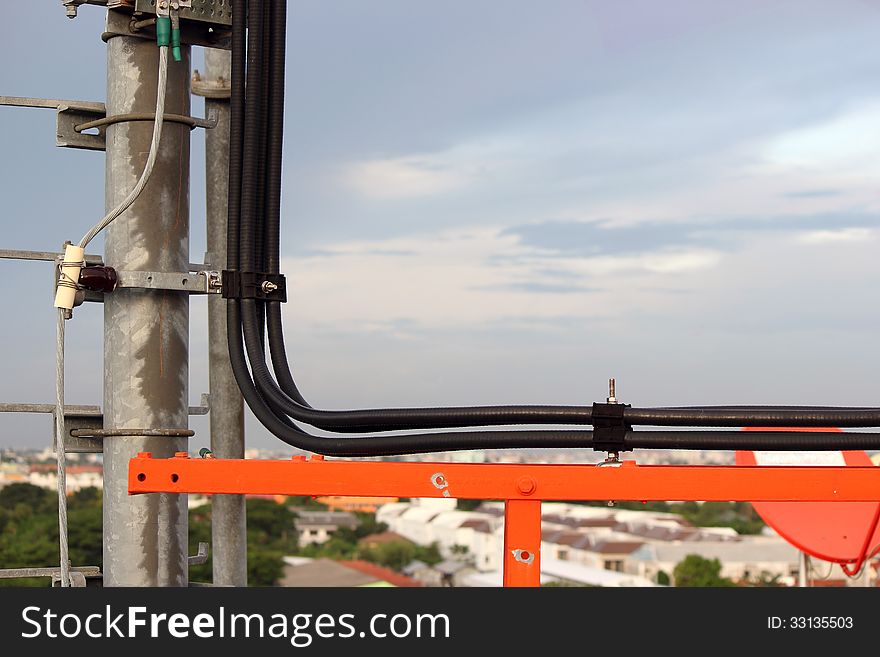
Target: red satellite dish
pixel 832 531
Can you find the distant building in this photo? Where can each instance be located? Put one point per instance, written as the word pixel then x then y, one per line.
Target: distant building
pixel 745 560
pixel 375 540
pixel 45 475
pixel 635 544
pixel 305 572
pixel 316 526
pixel 361 504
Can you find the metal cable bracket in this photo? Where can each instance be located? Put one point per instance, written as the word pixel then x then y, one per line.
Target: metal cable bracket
pixel 73 117
pixel 253 285
pixel 610 427
pixel 192 121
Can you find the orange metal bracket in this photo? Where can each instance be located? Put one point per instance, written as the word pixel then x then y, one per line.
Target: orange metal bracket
pixel 521 486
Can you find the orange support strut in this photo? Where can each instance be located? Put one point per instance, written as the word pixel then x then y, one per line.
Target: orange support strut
pixel 522 486
pixel 522 543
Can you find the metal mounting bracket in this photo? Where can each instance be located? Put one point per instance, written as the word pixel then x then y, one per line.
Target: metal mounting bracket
pixel 80 576
pixel 202 282
pixel 89 418
pixel 74 117
pixel 216 12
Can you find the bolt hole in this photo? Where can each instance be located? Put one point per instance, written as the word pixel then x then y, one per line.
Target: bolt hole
pixel 183 282
pixel 174 478
pixel 150 278
pixel 142 476
pixel 524 555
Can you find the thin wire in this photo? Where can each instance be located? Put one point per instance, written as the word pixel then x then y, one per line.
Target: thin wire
pixel 864 553
pixel 815 573
pixel 60 454
pixel 151 157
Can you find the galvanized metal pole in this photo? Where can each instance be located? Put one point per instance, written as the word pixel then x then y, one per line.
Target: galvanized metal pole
pixel 146 332
pixel 228 522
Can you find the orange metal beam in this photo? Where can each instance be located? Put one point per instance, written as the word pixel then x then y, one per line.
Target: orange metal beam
pixel 316 476
pixel 522 543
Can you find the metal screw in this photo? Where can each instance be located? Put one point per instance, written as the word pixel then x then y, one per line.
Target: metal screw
pixel 268 287
pixel 71 11
pixel 612 389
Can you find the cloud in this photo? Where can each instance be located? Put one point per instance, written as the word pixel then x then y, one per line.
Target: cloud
pixel 847 143
pixel 473 278
pixel 660 243
pixel 400 178
pixel 842 235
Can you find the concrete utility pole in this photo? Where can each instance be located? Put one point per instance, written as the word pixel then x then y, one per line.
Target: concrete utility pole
pixel 803 569
pixel 146 332
pixel 228 522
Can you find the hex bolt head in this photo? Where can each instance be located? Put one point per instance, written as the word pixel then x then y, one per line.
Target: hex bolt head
pixel 526 485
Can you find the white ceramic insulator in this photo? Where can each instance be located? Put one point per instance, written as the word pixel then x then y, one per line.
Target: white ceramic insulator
pixel 65 295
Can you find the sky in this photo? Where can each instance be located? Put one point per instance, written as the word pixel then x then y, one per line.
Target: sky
pixel 511 202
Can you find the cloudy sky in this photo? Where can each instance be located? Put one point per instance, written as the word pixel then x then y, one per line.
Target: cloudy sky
pixel 491 202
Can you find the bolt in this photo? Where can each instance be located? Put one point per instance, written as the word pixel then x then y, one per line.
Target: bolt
pixel 526 485
pixel 612 389
pixel 71 11
pixel 268 287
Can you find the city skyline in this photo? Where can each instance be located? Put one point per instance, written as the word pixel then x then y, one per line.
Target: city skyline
pixel 486 207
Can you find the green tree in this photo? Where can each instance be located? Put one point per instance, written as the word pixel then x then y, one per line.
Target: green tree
pixel 393 554
pixel 36 498
pixel 697 571
pixel 429 554
pixel 662 578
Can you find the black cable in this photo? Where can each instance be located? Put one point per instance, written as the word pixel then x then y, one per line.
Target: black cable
pixel 382 445
pixel 753 416
pixel 752 440
pixel 254 236
pixel 236 131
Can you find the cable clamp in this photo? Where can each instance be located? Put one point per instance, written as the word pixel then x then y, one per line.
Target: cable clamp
pixel 253 285
pixel 610 427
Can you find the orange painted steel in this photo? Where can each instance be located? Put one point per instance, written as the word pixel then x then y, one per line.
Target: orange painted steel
pixel 522 543
pixel 521 486
pixel 316 477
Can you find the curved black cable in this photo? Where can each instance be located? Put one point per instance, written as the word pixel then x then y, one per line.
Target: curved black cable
pixel 254 229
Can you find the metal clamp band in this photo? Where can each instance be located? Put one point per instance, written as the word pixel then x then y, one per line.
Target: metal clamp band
pixel 253 285
pixel 610 427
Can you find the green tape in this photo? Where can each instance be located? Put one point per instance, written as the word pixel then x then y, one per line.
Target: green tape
pixel 163 31
pixel 175 43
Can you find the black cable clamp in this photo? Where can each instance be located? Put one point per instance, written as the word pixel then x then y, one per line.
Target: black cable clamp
pixel 610 427
pixel 253 285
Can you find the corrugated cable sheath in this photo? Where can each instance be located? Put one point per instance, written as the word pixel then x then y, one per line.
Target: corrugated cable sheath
pixel 244 223
pixel 418 443
pixel 254 130
pixel 754 416
pixel 236 132
pixel 751 440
